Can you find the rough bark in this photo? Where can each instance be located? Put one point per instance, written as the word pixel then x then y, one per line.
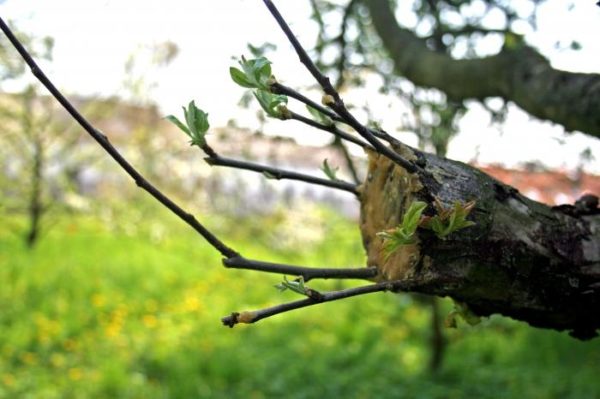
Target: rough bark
pixel 521 259
pixel 518 74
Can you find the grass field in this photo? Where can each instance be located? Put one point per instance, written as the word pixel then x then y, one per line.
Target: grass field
pixel 105 309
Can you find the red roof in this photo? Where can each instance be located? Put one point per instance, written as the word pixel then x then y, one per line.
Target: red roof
pixel 550 187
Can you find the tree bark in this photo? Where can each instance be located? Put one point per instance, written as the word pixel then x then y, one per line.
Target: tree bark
pixel 521 259
pixel 518 74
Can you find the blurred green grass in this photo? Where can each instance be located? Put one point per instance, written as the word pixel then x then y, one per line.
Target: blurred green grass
pixel 127 304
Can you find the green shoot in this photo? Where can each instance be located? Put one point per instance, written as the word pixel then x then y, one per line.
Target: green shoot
pixel 196 124
pixel 449 220
pixel 273 104
pixel 296 285
pixel 269 175
pixel 330 172
pixel 255 73
pixel 404 233
pixel 320 117
pixel 461 310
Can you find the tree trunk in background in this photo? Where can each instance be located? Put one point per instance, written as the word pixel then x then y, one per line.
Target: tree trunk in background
pixel 35 207
pixel 518 73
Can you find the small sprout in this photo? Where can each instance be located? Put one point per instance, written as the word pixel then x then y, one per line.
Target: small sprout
pixel 327 99
pixel 375 125
pixel 196 124
pixel 296 285
pixel 461 310
pixel 269 175
pixel 319 116
pixel 273 104
pixel 255 73
pixel 330 172
pixel 449 220
pixel 404 233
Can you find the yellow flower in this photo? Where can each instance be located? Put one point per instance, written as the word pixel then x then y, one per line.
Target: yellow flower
pixel 29 358
pixel 75 373
pixel 8 380
pixel 57 360
pixel 191 304
pixel 70 345
pixel 98 300
pixel 149 320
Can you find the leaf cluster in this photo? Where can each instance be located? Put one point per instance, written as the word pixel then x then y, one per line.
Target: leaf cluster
pixel 196 124
pixel 273 104
pixel 296 285
pixel 449 220
pixel 404 233
pixel 256 74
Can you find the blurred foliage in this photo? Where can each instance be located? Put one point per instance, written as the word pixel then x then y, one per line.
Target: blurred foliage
pixel 128 305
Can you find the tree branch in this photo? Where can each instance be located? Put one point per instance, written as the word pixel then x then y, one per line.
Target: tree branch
pixel 331 129
pixel 307 273
pixel 340 64
pixel 336 102
pixel 276 173
pixel 101 139
pixel 249 317
pixel 278 88
pixel 518 73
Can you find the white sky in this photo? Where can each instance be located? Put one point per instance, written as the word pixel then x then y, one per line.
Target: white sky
pixel 93 39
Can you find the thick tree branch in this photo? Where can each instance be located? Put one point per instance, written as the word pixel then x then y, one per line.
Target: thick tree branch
pixel 519 74
pixel 521 258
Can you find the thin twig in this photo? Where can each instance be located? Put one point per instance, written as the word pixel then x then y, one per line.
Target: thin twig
pixel 341 40
pixel 339 144
pixel 307 273
pixel 249 317
pixel 341 69
pixel 278 88
pixel 336 104
pixel 276 173
pixel 331 129
pixel 112 151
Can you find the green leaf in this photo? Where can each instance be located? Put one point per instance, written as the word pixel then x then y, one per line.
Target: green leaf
pixel 269 175
pixel 296 285
pixel 240 78
pixel 330 172
pixel 404 233
pixel 450 220
pixel 196 123
pixel 178 123
pixel 319 116
pixel 411 218
pixel 200 119
pixel 255 73
pixel 463 311
pixel 272 104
